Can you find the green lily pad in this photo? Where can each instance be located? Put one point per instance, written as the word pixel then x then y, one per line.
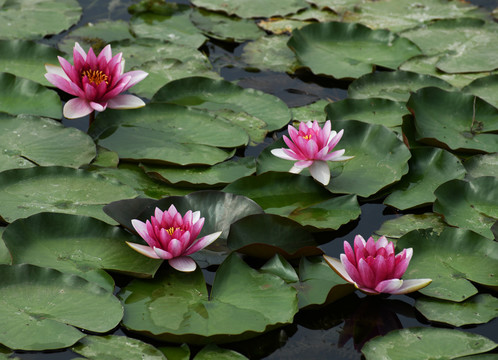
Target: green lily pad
pixel 224 27
pixel 428 168
pixel 270 53
pixel 175 28
pixel 264 235
pixel 426 343
pixel 372 110
pixel 216 175
pixel 406 14
pixel 310 112
pixel 213 352
pixel 77 245
pixel 451 259
pixel 26 59
pixel 23 96
pixel 25 192
pixel 28 141
pixel 280 26
pixel 466 44
pixel 116 347
pixel 395 85
pixel 396 228
pixel 50 304
pixel 5 257
pixel 220 95
pixel 486 88
pixel 459 121
pixel 482 165
pixel 38 18
pixel 299 198
pixel 338 6
pixel 250 9
pixel 479 309
pixel 476 206
pixel 181 352
pixel 348 50
pixel 259 301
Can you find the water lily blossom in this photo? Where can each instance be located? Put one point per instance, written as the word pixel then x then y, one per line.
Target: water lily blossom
pixel 97 82
pixel 373 268
pixel 311 146
pixel 172 237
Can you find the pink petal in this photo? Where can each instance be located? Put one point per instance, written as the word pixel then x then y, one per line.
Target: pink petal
pixel 141 229
pixel 370 246
pixel 61 83
pixel 106 53
pixel 71 73
pixel 367 275
pixel 202 243
pixel 381 243
pixel 350 269
pixel 389 286
pixel 175 247
pixel 144 250
pixel 183 263
pixel 76 108
pixel 280 153
pixel 412 285
pixel 163 254
pixel 303 164
pixel 295 170
pixel 97 107
pixel 79 50
pixel 136 77
pixel 125 101
pixel 348 250
pixel 338 267
pixel 320 171
pixel 333 142
pixel 401 267
pixel 379 268
pixel 359 247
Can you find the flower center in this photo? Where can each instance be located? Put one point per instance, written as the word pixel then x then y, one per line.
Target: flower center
pixel 307 137
pixel 171 230
pixel 95 76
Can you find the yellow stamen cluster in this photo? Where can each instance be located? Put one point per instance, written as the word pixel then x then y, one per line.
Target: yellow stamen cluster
pixel 95 76
pixel 307 137
pixel 171 230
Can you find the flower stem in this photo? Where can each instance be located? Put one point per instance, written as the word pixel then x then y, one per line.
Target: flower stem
pixel 91 118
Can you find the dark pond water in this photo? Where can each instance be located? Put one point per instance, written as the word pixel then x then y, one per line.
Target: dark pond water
pixel 338 330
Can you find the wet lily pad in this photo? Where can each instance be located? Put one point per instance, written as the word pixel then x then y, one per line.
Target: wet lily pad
pixel 478 309
pixel 27 141
pixel 260 301
pixel 426 343
pixel 270 53
pixel 39 18
pixel 396 228
pixel 51 304
pixel 348 50
pixel 452 259
pixel 216 175
pixel 486 88
pixel 213 352
pixel 482 165
pixel 372 110
pixel 25 192
pixel 459 121
pixel 476 207
pixel 428 168
pixel 5 257
pixel 249 9
pixel 395 85
pixel 116 347
pixel 77 245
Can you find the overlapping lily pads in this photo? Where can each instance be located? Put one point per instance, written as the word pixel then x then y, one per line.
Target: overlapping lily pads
pixel 259 8
pixel 486 88
pixel 476 207
pixel 396 228
pixel 258 300
pixel 338 49
pixel 482 165
pixel 456 120
pixel 452 259
pixel 27 141
pixel 53 303
pixel 25 192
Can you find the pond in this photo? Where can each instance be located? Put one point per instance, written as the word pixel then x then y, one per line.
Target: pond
pixel 413 86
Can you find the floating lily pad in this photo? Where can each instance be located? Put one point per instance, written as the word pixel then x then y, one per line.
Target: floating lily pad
pixel 428 168
pixel 459 121
pixel 23 96
pixel 270 53
pixel 256 8
pixel 264 235
pixel 40 306
pixel 486 88
pixel 310 112
pixel 395 85
pixel 25 192
pixel 298 198
pixel 452 259
pixel 259 301
pixel 26 59
pixel 482 165
pixel 27 141
pixel 77 245
pixel 426 343
pixel 348 50
pixel 467 45
pixel 280 26
pixel 38 18
pixel 213 352
pixel 5 257
pixel 476 206
pixel 396 228
pixel 373 110
pixel 116 347
pixel 338 6
pixel 220 95
pixel 478 309
pixel 216 175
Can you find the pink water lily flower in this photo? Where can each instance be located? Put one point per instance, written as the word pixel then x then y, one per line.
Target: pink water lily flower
pixel 96 81
pixel 373 268
pixel 172 237
pixel 312 147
